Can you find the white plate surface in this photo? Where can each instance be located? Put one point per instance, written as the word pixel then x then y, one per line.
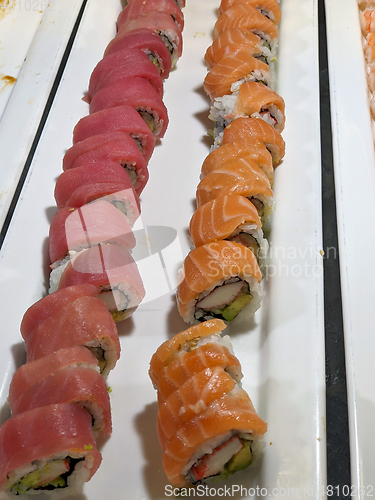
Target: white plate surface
pixel 354 165
pixel 282 351
pixel 34 35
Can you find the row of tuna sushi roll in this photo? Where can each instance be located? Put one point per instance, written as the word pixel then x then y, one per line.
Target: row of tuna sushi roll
pixel 59 399
pixel 367 22
pixel 207 425
pixel 221 277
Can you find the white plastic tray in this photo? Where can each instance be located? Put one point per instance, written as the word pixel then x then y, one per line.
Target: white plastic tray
pixel 354 165
pixel 33 35
pixel 282 351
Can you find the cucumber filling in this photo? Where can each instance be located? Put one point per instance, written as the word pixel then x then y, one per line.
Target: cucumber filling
pixel 98 352
pixel 148 118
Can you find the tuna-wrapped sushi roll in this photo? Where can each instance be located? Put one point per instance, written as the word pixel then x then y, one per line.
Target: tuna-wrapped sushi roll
pixel 74 384
pixel 138 7
pixel 75 229
pixel 162 24
pixel 119 119
pixel 51 304
pixel 124 64
pixel 149 42
pixel 207 424
pixel 109 266
pixel 32 372
pixel 47 450
pixel 136 92
pixel 82 322
pixel 219 280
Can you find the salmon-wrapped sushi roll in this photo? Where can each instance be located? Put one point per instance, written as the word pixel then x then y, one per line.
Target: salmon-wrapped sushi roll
pixel 242 177
pixel 243 129
pixel 149 42
pixel 367 20
pixel 269 8
pixel 253 100
pixel 207 424
pixel 247 17
pixel 232 40
pixel 138 7
pixel 232 218
pixel 48 449
pixel 138 93
pixel 232 71
pixel 252 148
pixel 219 280
pixel 162 24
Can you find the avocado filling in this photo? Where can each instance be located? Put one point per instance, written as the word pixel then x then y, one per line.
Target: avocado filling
pixel 98 352
pixel 233 455
pixel 224 302
pixel 148 118
pixel 53 475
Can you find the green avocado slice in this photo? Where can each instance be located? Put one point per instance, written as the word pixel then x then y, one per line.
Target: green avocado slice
pixel 232 310
pixel 241 460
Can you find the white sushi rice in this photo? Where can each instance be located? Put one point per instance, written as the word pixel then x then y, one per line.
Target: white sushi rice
pixel 257 234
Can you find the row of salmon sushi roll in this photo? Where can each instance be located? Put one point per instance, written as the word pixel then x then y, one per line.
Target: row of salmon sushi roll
pixel 221 276
pixel 206 423
pixel 59 399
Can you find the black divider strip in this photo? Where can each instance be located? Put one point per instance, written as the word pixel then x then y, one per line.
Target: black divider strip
pixel 42 123
pixel 338 450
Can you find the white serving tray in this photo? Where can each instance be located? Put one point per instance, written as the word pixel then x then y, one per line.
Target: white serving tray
pixel 354 167
pixel 34 35
pixel 282 350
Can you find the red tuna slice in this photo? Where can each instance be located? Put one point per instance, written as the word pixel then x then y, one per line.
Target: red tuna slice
pixel 124 64
pixel 70 385
pixel 51 304
pixel 91 173
pixel 73 229
pixel 45 432
pixel 84 322
pixel 138 7
pixel 30 373
pixel 112 192
pixel 149 42
pixel 112 268
pixel 163 25
pixel 119 119
pixel 113 146
pixel 138 93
